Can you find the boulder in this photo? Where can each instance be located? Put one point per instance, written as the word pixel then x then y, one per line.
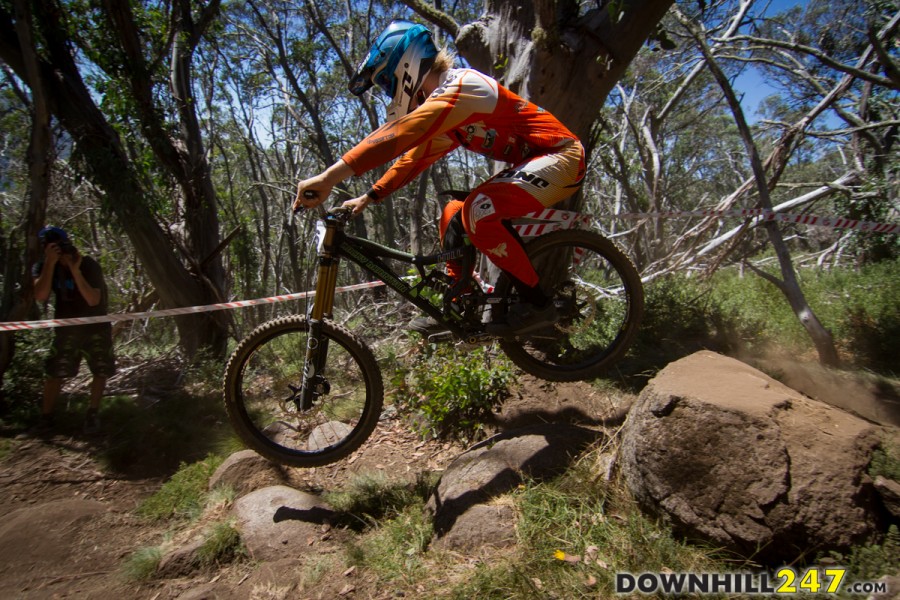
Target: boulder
pixel 483 527
pixel 277 522
pixel 731 456
pixel 497 466
pixel 246 471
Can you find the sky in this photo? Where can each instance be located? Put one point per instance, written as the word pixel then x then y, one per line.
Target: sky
pixel 751 83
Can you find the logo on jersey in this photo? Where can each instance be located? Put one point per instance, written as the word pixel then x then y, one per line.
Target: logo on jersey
pixel 490 137
pixel 524 176
pixel 482 207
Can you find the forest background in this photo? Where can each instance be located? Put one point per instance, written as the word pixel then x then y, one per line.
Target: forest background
pixel 168 138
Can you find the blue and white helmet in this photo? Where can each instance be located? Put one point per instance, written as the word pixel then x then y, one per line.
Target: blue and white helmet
pixel 398 62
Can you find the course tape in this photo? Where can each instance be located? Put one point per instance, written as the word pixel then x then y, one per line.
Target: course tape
pixel 553 219
pixel 168 312
pixel 765 214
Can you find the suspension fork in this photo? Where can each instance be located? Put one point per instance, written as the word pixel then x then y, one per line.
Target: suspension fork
pixel 314 383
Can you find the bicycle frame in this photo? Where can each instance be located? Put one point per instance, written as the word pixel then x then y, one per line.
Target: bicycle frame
pixel 336 244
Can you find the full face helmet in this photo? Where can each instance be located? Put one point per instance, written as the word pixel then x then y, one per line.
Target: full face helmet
pixel 398 62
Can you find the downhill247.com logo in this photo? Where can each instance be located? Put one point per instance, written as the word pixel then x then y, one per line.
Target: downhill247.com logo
pixel 787 580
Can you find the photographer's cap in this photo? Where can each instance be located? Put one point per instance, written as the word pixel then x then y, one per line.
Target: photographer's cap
pixel 51 234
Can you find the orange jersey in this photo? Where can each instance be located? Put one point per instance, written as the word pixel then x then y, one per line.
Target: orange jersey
pixel 467 109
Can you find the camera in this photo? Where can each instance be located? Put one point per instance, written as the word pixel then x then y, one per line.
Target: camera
pixel 55 235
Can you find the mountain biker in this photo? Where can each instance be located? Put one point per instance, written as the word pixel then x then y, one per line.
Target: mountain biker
pixel 436 108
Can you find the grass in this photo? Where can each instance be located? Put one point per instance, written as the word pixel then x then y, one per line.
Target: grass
pixel 182 497
pixel 185 503
pixel 141 565
pixel 370 497
pixel 221 545
pixel 574 533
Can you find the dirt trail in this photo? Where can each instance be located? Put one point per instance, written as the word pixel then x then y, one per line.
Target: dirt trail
pixel 70 524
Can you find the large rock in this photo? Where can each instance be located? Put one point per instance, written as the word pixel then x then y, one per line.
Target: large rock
pixel 730 455
pixel 245 471
pixel 277 522
pixel 495 467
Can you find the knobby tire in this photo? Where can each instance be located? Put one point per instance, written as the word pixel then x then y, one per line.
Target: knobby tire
pixel 261 385
pixel 600 298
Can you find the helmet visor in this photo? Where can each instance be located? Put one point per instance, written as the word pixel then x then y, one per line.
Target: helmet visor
pixel 362 80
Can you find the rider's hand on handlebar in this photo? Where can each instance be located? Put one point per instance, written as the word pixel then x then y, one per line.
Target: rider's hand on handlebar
pixel 315 190
pixel 311 193
pixel 357 205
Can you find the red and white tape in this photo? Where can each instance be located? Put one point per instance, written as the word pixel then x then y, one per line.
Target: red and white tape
pixel 769 215
pixel 551 220
pixel 168 312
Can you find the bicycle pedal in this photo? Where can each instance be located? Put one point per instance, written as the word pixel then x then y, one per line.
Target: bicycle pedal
pixel 474 341
pixel 440 337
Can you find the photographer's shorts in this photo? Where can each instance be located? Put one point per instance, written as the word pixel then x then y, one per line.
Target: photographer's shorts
pixel 72 344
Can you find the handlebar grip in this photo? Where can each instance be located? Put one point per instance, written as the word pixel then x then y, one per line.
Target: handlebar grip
pixel 308 195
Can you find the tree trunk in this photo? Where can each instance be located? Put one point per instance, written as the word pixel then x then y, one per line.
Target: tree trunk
pixel 565 62
pixel 110 168
pixel 789 285
pixel 16 306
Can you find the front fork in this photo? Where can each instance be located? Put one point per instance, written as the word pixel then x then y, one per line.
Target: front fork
pixel 315 384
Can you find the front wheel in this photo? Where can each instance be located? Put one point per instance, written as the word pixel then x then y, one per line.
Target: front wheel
pixel 295 413
pixel 600 301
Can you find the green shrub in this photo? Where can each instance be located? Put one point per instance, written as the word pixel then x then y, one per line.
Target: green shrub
pixel 455 393
pixel 676 323
pixel 23 381
pixel 868 563
pixel 886 461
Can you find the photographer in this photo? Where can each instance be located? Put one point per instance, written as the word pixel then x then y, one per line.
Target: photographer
pixel 80 291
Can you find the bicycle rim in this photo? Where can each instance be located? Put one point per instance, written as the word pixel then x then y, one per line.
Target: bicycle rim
pixel 262 393
pixel 600 299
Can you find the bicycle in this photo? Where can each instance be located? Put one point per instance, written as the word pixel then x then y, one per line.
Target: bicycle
pixel 305 391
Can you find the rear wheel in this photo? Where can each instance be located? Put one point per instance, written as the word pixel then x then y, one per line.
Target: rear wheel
pixel 263 392
pixel 600 300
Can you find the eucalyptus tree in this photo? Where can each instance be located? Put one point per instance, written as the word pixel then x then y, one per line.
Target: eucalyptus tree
pixel 838 90
pixel 142 145
pixel 821 81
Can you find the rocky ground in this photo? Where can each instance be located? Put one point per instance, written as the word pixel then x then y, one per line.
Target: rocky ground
pixel 70 523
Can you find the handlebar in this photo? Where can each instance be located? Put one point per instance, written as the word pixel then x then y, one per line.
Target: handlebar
pixel 309 195
pixel 337 212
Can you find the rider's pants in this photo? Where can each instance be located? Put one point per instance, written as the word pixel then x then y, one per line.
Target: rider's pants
pixel 530 186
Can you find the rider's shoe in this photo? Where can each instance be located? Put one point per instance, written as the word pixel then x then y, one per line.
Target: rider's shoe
pixel 427 326
pixel 524 318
